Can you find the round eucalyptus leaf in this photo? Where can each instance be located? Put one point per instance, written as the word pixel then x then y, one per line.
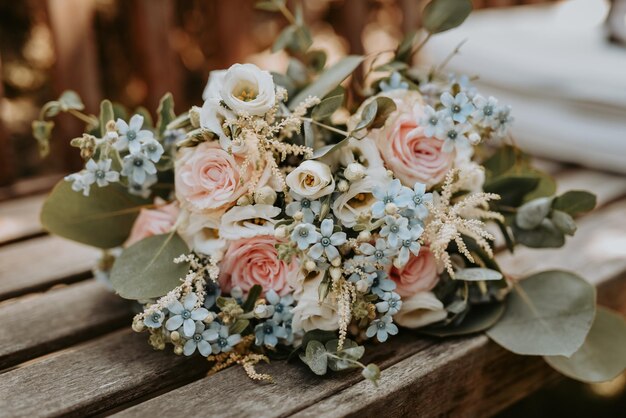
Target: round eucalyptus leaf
pixel 575 202
pixel 442 15
pixel 603 355
pixel 564 222
pixel 530 214
pixel 478 319
pixel 315 357
pixel 146 269
pixel 548 314
pixel 103 219
pixel 476 274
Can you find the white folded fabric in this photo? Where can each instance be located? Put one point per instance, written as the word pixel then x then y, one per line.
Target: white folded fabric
pixel 566 83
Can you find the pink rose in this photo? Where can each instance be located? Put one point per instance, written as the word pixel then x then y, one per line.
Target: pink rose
pixel 253 261
pixel 407 152
pixel 151 222
pixel 208 178
pixel 420 274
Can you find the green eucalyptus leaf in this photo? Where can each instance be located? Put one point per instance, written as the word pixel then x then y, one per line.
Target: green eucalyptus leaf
pixel 548 313
pixel 563 222
pixel 42 132
pixel 329 104
pixel 476 274
pixel 315 60
pixel 309 135
pixel 103 219
pixel 106 115
pixel 70 100
pixel 328 80
pixel 165 112
pixel 285 38
pixel 320 152
pixel 531 214
pixel 603 355
pixel 479 318
pixel 546 235
pixel 511 189
pixel 442 15
pixel 146 269
pixel 403 53
pixel 546 186
pixel 367 115
pixel 575 202
pixel 253 295
pixel 315 357
pixel 501 161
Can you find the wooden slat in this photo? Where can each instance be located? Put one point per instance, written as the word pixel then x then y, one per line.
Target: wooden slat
pixel 29 186
pixel 19 218
pixel 452 368
pixel 94 377
pixel 41 323
pixel 40 263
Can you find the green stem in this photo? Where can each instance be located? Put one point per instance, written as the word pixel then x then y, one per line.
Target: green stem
pixel 330 128
pixel 421 44
pixel 285 11
pixel 80 115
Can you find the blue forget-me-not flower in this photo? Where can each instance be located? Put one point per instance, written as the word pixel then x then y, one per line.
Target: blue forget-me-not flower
pixel 268 333
pixel 328 242
pixel 416 199
pixel 395 83
pixel 382 328
pixel 309 208
pixel 185 314
pixel 390 303
pixel 305 235
pixel 459 107
pixel 132 136
pixel 384 195
pixel 199 340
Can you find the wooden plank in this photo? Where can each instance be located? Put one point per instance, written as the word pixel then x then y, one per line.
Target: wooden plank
pixel 41 323
pixel 40 263
pixel 452 362
pixel 19 219
pixel 29 186
pixel 94 377
pixel 7 156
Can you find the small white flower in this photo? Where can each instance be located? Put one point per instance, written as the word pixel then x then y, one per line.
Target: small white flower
pixel 247 89
pixel 248 221
pixel 100 173
pixel 213 116
pixel 212 89
pixel 354 171
pixel 311 179
pixel 265 196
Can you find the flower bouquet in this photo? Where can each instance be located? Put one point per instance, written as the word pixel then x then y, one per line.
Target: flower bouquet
pixel 299 215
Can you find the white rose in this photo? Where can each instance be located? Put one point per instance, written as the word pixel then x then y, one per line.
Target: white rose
pixel 310 314
pixel 212 117
pixel 358 200
pixel 248 221
pixel 420 310
pixel 247 89
pixel 200 232
pixel 311 179
pixel 212 89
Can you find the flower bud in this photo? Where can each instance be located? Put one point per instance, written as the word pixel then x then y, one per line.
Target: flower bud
pixel 236 292
pixel 138 326
pixel 354 172
pixel 175 336
pixel 343 186
pixel 474 138
pixel 265 196
pixel 362 286
pixel 336 262
pixel 244 200
pixel 178 350
pixel 280 232
pixel 391 208
pixel 364 236
pixel 335 273
pixel 298 216
pixel 310 265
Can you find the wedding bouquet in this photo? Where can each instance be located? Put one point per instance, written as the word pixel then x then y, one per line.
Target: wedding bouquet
pixel 293 215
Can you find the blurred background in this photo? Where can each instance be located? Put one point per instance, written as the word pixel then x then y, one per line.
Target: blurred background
pixel 562 65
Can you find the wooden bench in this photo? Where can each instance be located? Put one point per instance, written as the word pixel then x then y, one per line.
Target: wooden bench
pixel 66 347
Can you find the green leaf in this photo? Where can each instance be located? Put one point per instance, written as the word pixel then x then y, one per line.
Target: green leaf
pixel 476 274
pixel 329 104
pixel 253 295
pixel 42 131
pixel 106 115
pixel 146 269
pixel 603 355
pixel 575 202
pixel 548 313
pixel 479 318
pixel 320 152
pixel 546 235
pixel 296 71
pixel 328 80
pixel 546 186
pixel 239 326
pixel 70 100
pixel 315 60
pixel 563 222
pixel 511 189
pixel 165 112
pixel 103 219
pixel 442 15
pixel 531 214
pixel 403 53
pixel 502 161
pixel 376 113
pixel 270 6
pixel 315 357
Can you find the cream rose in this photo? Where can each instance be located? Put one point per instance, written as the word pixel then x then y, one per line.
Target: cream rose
pixel 310 314
pixel 159 220
pixel 248 221
pixel 420 310
pixel 207 178
pixel 420 274
pixel 247 89
pixel 200 232
pixel 406 151
pixel 311 179
pixel 212 117
pixel 358 200
pixel 252 261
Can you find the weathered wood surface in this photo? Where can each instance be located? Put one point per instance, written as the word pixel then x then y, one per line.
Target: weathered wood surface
pixel 119 373
pixel 19 219
pixel 37 264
